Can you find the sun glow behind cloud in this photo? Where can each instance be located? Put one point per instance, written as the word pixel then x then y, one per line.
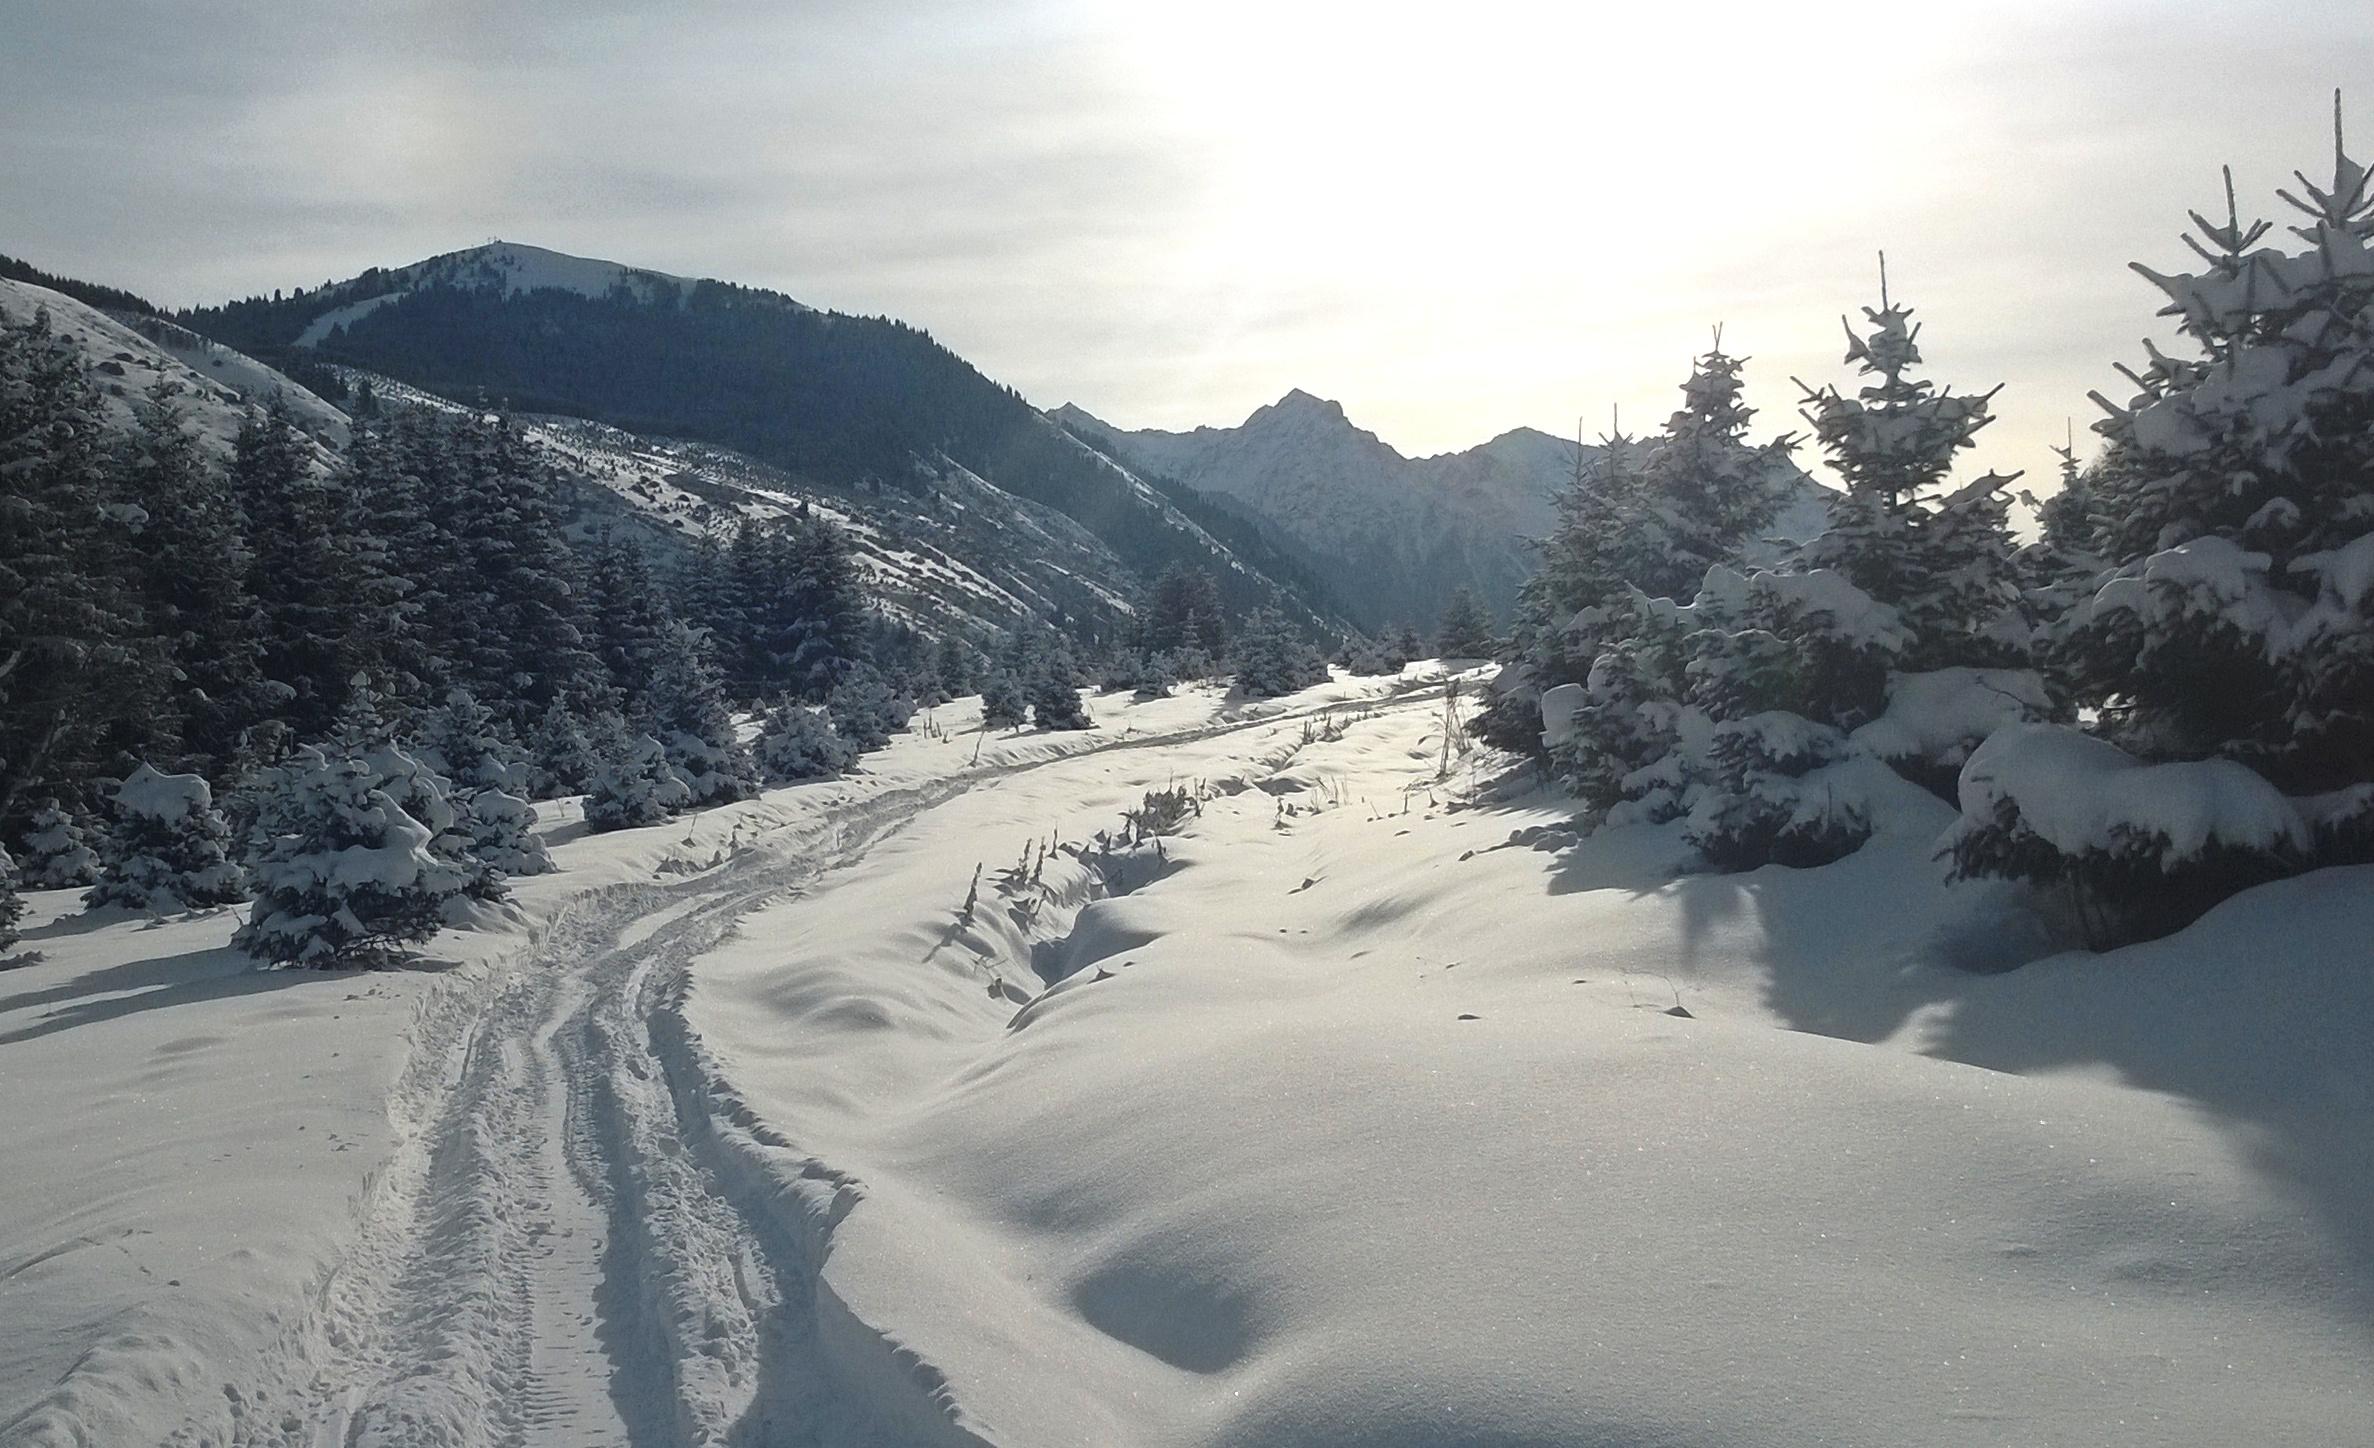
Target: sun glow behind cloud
pixel 1503 188
pixel 1454 219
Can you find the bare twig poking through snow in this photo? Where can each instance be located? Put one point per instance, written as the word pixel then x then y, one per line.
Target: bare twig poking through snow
pixel 972 897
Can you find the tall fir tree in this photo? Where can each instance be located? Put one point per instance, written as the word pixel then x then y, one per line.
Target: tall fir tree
pixel 75 663
pixel 193 565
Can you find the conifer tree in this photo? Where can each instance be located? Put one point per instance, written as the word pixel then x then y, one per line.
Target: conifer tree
pixel 72 668
pixel 865 709
pixel 1701 492
pixel 796 742
pixel 300 572
pixel 192 562
pixel 2236 502
pixel 1054 692
pixel 1943 560
pixel 1003 699
pixel 166 847
pixel 1271 659
pixel 633 784
pixel 461 740
pixel 829 632
pixel 57 853
pixel 686 711
pixel 630 621
pixel 1466 629
pixel 12 905
pixel 343 875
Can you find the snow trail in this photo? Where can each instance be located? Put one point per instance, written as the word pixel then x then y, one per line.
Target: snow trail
pixel 579 1241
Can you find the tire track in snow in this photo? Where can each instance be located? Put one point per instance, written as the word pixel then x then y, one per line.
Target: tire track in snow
pixel 575 1242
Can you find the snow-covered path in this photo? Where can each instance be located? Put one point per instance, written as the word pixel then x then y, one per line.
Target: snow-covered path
pixel 1360 1112
pixel 572 1245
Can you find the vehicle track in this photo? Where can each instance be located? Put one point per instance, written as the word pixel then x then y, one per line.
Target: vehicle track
pixel 579 1239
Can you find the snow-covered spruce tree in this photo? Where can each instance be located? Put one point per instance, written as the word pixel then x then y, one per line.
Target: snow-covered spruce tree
pixel 1942 559
pixel 1780 664
pixel 2137 849
pixel 865 710
pixel 1004 702
pixel 1054 696
pixel 1773 798
pixel 192 563
pixel 1465 631
pixel 1158 675
pixel 796 742
pixel 461 740
pixel 686 710
pixel 957 667
pixel 57 853
pixel 501 827
pixel 75 665
pixel 1700 492
pixel 2237 507
pixel 343 876
pixel 1272 659
pixel 562 752
pixel 633 783
pixel 12 905
pixel 165 848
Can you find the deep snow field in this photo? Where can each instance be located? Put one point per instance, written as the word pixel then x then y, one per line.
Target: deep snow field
pixel 1373 1106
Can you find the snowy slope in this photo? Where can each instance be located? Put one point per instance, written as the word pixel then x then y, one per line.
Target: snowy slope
pixel 960 556
pixel 508 267
pixel 126 358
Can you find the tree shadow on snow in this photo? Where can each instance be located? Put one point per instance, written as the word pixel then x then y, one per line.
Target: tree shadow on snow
pixel 2261 1014
pixel 153 983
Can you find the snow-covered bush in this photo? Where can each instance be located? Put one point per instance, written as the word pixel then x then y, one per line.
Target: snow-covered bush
pixel 633 784
pixel 57 853
pixel 796 742
pixel 343 876
pixel 166 847
pixel 2142 848
pixel 1774 796
pixel 865 710
pixel 1272 659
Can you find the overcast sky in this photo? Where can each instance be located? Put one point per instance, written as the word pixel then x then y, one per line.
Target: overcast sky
pixel 1455 218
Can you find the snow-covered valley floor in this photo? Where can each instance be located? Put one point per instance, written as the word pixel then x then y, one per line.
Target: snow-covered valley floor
pixel 1370 1107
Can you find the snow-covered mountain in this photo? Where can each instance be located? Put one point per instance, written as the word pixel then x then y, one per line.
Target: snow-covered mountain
pixel 826 402
pixel 951 554
pixel 129 354
pixel 1392 535
pixel 508 267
